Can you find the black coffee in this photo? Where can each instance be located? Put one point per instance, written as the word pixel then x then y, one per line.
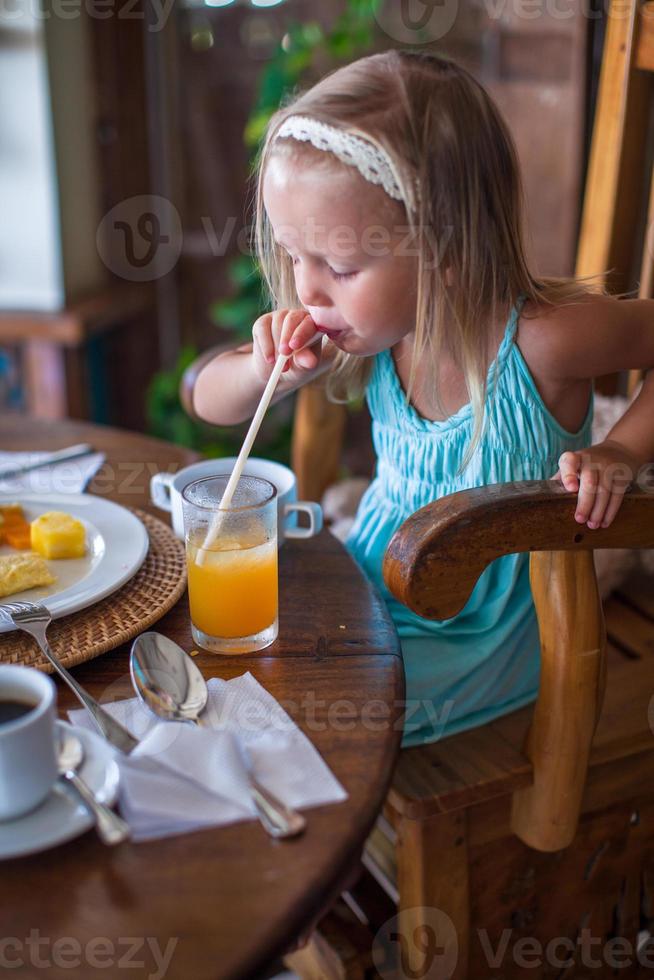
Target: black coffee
pixel 12 709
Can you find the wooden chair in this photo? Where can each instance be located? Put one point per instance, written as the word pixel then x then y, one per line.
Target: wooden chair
pixel 54 347
pixel 539 826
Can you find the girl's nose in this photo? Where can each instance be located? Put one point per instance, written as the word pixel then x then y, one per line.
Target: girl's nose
pixel 310 287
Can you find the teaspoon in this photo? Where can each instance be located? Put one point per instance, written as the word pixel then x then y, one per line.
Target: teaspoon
pixel 172 687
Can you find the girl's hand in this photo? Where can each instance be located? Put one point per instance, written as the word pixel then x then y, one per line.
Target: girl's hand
pixel 601 474
pixel 281 332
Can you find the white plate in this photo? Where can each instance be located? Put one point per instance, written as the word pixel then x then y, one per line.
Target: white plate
pixel 116 546
pixel 62 815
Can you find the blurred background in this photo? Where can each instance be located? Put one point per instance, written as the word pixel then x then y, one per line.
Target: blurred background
pixel 127 130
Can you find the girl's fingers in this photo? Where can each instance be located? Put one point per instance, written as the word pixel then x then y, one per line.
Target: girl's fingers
pixel 613 507
pixel 277 320
pixel 602 498
pixel 600 488
pixel 304 332
pixel 569 470
pixel 272 332
pixel 306 359
pixel 291 322
pixel 262 336
pixel 587 495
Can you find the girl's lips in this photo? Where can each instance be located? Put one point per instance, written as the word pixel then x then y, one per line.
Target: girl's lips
pixel 330 333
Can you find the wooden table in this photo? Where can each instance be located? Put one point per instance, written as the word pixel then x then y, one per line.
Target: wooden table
pixel 231 899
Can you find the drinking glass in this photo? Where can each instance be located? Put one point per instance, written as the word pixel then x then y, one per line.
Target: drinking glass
pixel 232 564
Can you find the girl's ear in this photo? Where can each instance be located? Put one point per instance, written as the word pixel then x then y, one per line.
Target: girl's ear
pixel 449 278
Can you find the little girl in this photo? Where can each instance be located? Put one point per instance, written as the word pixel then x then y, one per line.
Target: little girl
pixel 389 220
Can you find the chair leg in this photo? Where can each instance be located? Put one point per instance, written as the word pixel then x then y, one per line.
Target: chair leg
pixel 434 918
pixel 573 677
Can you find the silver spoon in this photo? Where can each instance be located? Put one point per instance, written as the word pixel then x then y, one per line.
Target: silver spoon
pixel 172 687
pixel 111 828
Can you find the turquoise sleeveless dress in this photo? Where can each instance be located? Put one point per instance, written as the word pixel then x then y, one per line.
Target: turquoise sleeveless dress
pixel 485 661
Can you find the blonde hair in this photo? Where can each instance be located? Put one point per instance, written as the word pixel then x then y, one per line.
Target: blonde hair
pixel 440 128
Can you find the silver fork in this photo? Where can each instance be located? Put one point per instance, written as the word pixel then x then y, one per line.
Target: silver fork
pixel 35 619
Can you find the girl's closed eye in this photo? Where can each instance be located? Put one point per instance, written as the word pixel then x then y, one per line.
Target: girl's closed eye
pixel 341 275
pixel 333 272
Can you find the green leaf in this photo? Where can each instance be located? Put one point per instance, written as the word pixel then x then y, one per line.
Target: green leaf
pixel 243 269
pixel 234 313
pixel 312 33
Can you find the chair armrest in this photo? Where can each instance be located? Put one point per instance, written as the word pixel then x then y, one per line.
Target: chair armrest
pixel 435 558
pixel 432 564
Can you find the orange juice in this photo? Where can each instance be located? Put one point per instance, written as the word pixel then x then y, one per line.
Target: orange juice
pixel 233 590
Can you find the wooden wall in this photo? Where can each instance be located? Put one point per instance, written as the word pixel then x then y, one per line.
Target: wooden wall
pixel 537 69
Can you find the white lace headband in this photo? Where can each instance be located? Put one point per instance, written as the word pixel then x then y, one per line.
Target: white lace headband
pixel 372 161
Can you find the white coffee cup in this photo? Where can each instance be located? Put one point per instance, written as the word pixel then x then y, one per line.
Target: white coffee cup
pixel 166 493
pixel 28 765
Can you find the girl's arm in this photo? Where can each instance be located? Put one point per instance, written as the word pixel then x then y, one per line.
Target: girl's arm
pixel 599 336
pixel 635 430
pixel 229 388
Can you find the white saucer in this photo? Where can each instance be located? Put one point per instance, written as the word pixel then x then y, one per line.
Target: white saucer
pixel 62 815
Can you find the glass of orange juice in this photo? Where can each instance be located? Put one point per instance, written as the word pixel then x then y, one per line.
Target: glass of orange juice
pixel 231 556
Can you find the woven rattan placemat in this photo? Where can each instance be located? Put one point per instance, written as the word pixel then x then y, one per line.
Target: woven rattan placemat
pixel 156 587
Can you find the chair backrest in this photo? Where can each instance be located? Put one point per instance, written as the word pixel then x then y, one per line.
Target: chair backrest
pixel 620 176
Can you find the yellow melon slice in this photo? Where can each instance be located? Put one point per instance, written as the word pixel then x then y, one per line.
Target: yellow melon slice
pixel 58 535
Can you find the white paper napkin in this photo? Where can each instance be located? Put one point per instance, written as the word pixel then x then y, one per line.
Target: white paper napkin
pixel 72 476
pixel 204 782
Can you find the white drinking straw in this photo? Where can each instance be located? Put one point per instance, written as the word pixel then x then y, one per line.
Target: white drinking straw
pixel 214 528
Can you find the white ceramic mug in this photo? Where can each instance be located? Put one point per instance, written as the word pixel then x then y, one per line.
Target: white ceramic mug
pixel 166 493
pixel 28 764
